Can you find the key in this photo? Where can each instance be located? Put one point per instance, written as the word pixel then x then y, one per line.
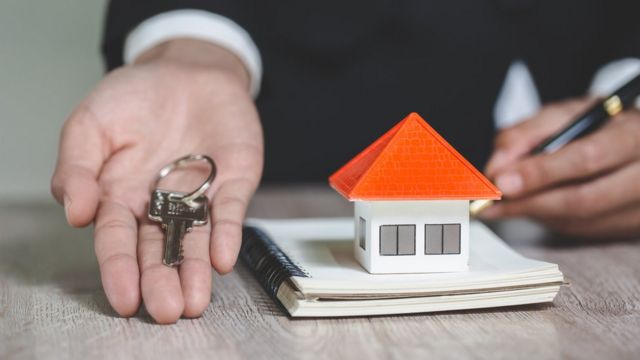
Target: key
pixel 177 218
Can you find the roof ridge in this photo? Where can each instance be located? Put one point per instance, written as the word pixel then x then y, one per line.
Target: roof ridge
pixel 387 136
pixel 410 143
pixel 399 127
pixel 455 153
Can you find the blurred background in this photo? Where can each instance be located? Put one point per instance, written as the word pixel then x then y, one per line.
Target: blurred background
pixel 49 58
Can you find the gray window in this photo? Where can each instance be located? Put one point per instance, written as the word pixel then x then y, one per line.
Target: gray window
pixel 433 239
pixel 441 239
pixel 362 233
pixel 397 240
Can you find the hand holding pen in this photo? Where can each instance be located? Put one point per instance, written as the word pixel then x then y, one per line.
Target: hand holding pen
pixel 586 184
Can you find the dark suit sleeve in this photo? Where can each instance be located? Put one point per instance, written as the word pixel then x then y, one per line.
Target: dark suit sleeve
pixel 623 39
pixel 124 15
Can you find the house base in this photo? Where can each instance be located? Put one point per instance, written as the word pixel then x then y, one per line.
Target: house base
pixel 412 236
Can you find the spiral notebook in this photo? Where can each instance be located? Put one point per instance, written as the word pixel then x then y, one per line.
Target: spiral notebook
pixel 307 266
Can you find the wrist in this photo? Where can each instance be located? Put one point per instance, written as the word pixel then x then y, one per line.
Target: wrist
pixel 198 54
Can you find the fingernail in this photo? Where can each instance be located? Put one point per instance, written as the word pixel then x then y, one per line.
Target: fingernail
pixel 498 159
pixel 509 183
pixel 67 205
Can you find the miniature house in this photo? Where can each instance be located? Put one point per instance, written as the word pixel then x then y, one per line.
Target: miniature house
pixel 411 191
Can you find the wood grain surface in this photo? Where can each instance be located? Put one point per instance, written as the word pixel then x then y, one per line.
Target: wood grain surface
pixel 52 305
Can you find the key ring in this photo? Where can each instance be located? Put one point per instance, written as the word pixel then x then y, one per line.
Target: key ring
pixel 188 198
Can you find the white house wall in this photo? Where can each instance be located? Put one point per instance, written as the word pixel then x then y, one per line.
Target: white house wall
pixel 417 213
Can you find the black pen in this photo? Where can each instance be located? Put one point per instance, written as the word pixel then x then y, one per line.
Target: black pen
pixel 586 123
pixel 593 118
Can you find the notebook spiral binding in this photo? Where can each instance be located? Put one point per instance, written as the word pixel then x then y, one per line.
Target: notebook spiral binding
pixel 270 265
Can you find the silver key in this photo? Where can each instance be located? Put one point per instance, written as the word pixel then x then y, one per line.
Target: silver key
pixel 177 218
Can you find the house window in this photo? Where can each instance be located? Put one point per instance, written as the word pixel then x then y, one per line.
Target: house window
pixel 441 239
pixel 362 233
pixel 397 240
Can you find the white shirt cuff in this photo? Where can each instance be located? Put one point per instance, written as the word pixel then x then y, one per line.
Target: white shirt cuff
pixel 613 75
pixel 201 25
pixel 519 97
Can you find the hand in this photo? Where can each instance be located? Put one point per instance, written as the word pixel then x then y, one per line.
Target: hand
pixel 183 97
pixel 588 188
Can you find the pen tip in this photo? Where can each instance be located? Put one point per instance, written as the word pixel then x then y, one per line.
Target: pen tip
pixel 477 206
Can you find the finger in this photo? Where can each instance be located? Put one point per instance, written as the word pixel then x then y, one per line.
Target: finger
pixel 576 201
pixel 80 157
pixel 613 146
pixel 195 271
pixel 160 284
pixel 230 204
pixel 620 224
pixel 115 239
pixel 514 142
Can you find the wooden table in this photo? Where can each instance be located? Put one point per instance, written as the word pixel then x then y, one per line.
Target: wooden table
pixel 52 304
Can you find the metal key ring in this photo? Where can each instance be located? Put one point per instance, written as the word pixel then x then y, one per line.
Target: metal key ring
pixel 188 198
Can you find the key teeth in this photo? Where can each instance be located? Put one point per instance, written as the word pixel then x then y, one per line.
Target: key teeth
pixel 164 262
pixel 174 264
pixel 171 213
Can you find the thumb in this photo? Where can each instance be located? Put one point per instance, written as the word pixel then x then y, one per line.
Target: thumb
pixel 80 157
pixel 515 142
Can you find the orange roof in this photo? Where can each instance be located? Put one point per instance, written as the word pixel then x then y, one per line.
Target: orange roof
pixel 411 162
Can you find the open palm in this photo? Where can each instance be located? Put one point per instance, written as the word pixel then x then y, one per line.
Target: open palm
pixel 140 118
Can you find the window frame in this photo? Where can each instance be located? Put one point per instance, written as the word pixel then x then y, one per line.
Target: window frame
pixel 362 235
pixel 397 226
pixel 442 239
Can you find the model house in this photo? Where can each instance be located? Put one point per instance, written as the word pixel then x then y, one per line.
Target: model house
pixel 411 191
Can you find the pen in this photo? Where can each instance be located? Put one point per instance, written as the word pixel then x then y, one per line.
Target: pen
pixel 587 122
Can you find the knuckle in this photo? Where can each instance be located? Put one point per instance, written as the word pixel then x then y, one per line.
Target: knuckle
pixel 227 223
pixel 148 267
pixel 570 107
pixel 117 258
pixel 581 202
pixel 533 174
pixel 197 261
pixel 633 137
pixel 150 233
pixel 552 111
pixel 508 137
pixel 590 157
pixel 114 224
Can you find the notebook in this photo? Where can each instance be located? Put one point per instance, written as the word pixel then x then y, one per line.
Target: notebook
pixel 307 266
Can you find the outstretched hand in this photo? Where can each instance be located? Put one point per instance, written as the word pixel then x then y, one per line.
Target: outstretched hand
pixel 184 97
pixel 588 188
